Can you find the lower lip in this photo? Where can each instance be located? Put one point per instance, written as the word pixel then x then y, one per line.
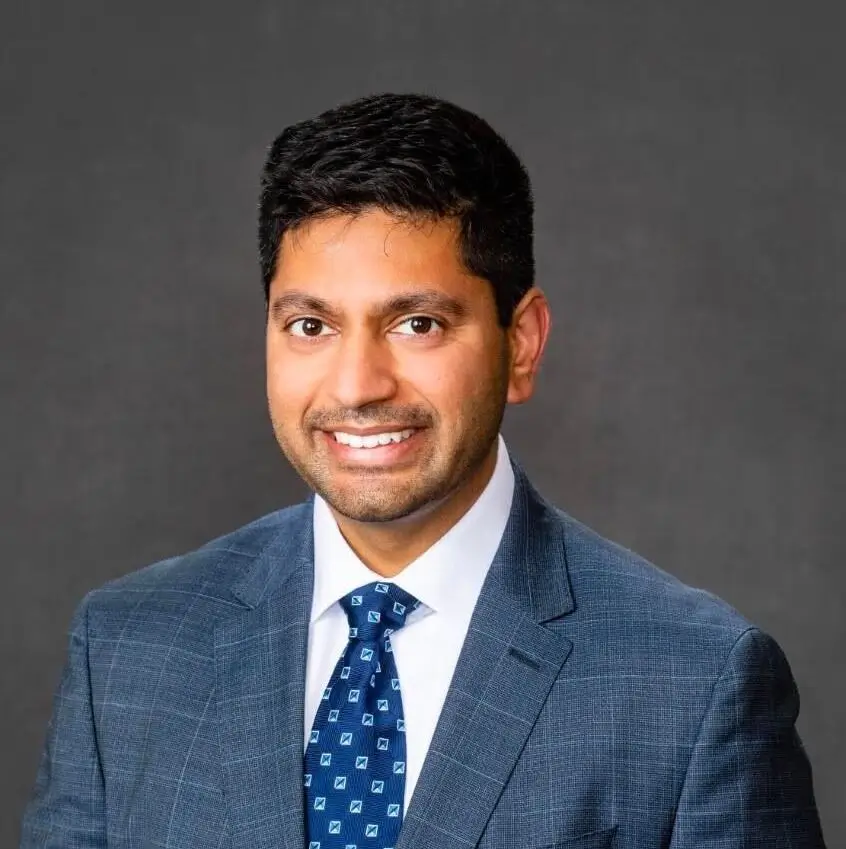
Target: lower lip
pixel 383 455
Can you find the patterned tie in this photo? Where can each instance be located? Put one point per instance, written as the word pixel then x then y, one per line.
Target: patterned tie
pixel 355 758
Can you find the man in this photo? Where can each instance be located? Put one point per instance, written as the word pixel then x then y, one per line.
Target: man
pixel 426 654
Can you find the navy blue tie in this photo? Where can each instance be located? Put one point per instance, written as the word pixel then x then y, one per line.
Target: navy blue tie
pixel 355 758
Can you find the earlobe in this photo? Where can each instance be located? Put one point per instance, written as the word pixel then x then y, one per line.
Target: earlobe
pixel 528 335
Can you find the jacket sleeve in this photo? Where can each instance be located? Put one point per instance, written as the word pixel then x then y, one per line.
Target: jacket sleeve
pixel 748 782
pixel 67 807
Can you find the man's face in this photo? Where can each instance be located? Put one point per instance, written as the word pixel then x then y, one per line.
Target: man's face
pixel 375 328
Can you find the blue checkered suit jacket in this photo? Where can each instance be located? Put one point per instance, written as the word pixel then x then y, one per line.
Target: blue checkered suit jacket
pixel 597 703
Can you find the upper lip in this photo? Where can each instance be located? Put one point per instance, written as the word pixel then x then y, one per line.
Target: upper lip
pixel 367 431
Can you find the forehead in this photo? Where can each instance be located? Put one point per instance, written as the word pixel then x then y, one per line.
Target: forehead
pixel 371 248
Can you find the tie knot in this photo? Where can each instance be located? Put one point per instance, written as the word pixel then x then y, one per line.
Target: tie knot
pixel 377 610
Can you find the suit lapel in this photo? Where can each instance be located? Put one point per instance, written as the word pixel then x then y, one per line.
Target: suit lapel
pixel 505 671
pixel 260 655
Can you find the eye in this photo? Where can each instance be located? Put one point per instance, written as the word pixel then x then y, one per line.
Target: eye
pixel 421 325
pixel 309 327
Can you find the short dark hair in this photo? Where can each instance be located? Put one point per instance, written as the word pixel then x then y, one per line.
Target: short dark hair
pixel 410 155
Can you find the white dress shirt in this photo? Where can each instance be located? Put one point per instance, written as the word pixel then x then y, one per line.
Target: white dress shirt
pixel 447 579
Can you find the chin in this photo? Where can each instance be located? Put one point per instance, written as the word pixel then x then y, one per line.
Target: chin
pixel 357 507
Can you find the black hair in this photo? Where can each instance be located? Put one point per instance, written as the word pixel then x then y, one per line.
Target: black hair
pixel 410 155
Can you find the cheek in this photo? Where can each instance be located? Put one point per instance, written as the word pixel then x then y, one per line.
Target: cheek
pixel 451 384
pixel 289 386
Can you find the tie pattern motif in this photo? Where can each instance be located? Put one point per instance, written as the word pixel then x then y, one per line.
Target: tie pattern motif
pixel 355 757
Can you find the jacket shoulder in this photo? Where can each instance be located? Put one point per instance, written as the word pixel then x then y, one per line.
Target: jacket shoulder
pixel 209 571
pixel 640 598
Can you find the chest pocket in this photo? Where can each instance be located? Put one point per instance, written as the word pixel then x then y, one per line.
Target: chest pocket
pixel 595 840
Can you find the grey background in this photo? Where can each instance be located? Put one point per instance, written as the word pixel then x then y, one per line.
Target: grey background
pixel 688 160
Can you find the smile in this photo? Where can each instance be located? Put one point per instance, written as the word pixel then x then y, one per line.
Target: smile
pixel 374 440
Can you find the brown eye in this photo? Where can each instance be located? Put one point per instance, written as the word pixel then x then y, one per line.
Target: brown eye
pixel 309 327
pixel 421 325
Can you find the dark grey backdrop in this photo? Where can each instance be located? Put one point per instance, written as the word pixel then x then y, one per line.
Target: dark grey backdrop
pixel 689 168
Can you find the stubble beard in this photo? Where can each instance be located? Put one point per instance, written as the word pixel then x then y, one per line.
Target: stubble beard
pixel 371 499
pixel 374 496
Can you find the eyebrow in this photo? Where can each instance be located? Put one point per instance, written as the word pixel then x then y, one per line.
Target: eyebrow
pixel 403 302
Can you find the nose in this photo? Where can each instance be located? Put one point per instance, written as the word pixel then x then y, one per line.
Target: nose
pixel 362 371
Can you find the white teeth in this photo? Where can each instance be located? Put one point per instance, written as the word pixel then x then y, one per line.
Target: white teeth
pixel 372 440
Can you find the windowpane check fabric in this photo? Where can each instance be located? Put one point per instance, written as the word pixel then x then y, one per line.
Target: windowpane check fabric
pixel 354 764
pixel 597 702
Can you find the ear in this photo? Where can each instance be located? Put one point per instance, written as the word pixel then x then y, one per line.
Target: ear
pixel 527 339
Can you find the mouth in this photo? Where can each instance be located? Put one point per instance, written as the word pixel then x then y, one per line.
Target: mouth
pixel 373 447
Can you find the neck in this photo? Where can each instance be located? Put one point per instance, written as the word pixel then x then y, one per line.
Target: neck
pixel 387 548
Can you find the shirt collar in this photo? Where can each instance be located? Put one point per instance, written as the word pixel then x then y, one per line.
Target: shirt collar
pixel 447 577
